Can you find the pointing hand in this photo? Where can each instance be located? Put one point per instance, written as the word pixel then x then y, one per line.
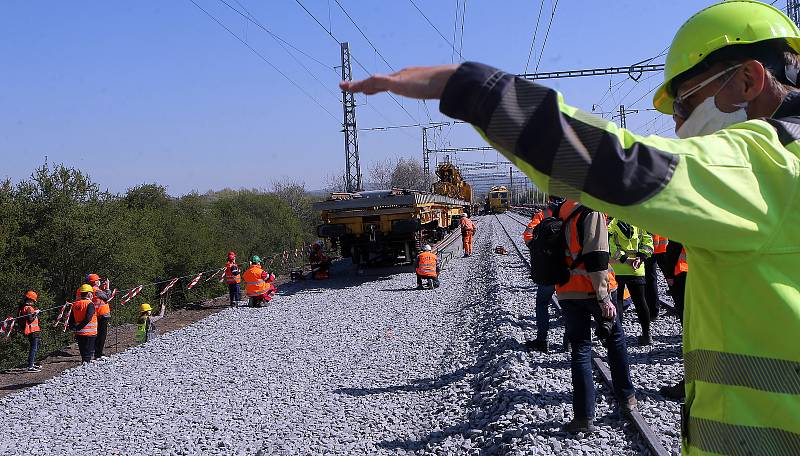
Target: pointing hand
pixel 424 83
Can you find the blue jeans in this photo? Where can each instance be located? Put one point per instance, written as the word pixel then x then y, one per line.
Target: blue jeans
pixel 544 293
pixel 234 293
pixel 578 315
pixel 34 340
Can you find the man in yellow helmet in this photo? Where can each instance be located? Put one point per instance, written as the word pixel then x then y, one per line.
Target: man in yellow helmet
pixel 145 324
pixel 728 190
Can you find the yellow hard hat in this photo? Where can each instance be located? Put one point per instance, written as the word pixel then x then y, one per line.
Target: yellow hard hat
pixel 145 308
pixel 729 23
pixel 85 288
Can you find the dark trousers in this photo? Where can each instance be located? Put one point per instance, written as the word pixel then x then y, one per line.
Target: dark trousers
pixel 86 347
pixel 678 292
pixel 544 293
pixel 234 293
pixel 578 315
pixel 102 333
pixel 433 282
pixel 651 285
pixel 636 287
pixel 34 340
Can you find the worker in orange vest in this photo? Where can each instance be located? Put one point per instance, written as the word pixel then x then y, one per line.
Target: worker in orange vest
pixel 675 272
pixel 100 297
pixel 591 292
pixel 83 320
pixel 29 315
pixel 233 278
pixel 257 282
pixel 427 268
pixel 467 232
pixel 544 293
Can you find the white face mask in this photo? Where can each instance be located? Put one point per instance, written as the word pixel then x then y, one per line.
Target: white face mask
pixel 707 118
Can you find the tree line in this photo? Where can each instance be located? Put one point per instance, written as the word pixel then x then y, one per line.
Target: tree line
pixel 57 226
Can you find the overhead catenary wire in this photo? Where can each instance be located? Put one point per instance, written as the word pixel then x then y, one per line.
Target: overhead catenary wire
pixel 533 39
pixel 453 46
pixel 546 35
pixel 267 61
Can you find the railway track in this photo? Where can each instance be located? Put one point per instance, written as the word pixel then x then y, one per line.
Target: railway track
pixel 644 430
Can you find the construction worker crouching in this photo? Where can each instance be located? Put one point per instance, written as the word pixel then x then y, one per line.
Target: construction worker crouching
pixel 427 268
pixel 319 262
pixel 232 278
pixel 30 317
pixel 83 320
pixel 100 297
pixel 145 325
pixel 258 286
pixel 468 229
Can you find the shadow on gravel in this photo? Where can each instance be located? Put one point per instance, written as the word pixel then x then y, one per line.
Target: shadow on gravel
pixel 666 355
pixel 19 386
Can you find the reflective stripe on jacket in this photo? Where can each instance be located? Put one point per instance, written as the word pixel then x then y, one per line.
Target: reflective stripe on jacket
pixel 79 309
pixel 30 326
pixel 232 274
pixel 659 243
pixel 426 264
pixel 730 197
pixel 254 284
pixel 682 266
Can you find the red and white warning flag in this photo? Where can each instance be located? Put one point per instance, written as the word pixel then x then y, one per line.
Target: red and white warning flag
pixel 113 293
pixel 8 326
pixel 169 286
pixel 62 313
pixel 211 277
pixel 131 294
pixel 194 281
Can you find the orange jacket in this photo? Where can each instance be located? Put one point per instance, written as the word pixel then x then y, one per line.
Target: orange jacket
pixel 79 309
pixel 682 266
pixel 230 277
pixel 254 281
pixel 426 265
pixel 30 326
pixel 537 218
pixel 659 244
pixel 101 308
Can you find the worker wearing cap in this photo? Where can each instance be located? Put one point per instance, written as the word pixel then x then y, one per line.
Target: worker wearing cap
pixel 145 324
pixel 257 283
pixel 29 316
pixel 100 298
pixel 427 268
pixel 467 232
pixel 319 262
pixel 83 320
pixel 726 189
pixel 232 278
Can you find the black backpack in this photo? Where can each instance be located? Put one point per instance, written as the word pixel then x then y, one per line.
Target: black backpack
pixel 548 262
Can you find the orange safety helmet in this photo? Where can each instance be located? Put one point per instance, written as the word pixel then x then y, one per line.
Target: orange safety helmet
pixel 32 296
pixel 92 278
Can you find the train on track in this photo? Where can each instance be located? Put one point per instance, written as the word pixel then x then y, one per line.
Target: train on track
pixel 391 226
pixel 498 200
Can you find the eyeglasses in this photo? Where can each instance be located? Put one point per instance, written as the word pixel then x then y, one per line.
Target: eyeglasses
pixel 678 106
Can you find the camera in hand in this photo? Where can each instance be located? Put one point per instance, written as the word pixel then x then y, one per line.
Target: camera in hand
pixel 604 328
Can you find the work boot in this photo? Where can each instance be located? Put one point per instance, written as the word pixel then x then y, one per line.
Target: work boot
pixel 645 339
pixel 539 345
pixel 578 425
pixel 629 405
pixel 675 392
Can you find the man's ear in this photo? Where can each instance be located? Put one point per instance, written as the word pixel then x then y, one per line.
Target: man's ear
pixel 752 80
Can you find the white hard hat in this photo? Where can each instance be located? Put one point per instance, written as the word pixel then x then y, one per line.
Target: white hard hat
pixel 427 248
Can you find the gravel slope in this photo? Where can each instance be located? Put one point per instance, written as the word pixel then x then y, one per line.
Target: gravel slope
pixel 365 365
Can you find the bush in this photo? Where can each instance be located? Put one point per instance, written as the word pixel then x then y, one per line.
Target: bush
pixel 57 226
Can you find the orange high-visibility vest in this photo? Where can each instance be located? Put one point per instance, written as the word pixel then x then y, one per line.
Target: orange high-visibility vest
pixel 537 218
pixel 230 277
pixel 101 308
pixel 254 285
pixel 579 280
pixel 659 244
pixel 466 225
pixel 30 326
pixel 681 266
pixel 427 265
pixel 79 309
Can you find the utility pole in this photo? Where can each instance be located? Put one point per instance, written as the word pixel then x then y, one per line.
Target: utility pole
pixel 793 11
pixel 352 165
pixel 426 159
pixel 622 113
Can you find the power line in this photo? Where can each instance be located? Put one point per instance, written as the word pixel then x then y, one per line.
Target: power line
pixel 435 28
pixel 455 30
pixel 355 60
pixel 533 40
pixel 374 48
pixel 546 34
pixel 262 57
pixel 463 14
pixel 249 16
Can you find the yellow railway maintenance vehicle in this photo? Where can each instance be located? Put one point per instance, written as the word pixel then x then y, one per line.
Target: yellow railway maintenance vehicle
pixel 451 183
pixel 387 226
pixel 498 200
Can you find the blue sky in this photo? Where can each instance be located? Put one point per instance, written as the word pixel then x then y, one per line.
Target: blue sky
pixel 155 91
